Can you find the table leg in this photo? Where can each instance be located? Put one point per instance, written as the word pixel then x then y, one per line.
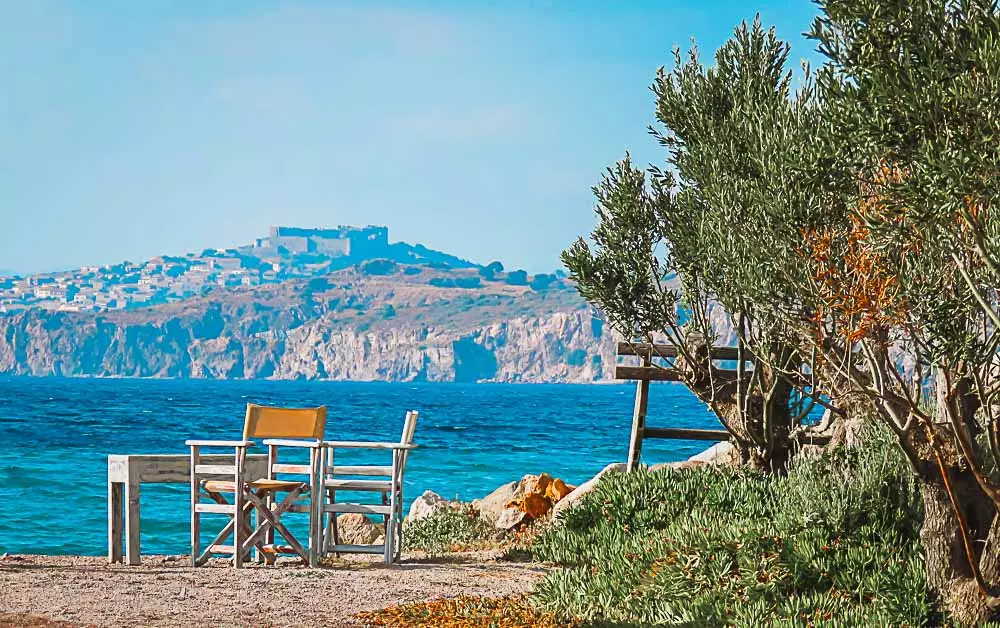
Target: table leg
pixel 115 521
pixel 132 523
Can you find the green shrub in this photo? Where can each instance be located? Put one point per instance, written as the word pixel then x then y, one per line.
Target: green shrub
pixel 541 282
pixel 319 284
pixel 451 530
pixel 378 267
pixel 517 278
pixel 835 541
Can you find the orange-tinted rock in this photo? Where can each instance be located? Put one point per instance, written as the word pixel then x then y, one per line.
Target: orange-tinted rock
pixel 531 498
pixel 557 490
pixel 540 485
pixel 535 505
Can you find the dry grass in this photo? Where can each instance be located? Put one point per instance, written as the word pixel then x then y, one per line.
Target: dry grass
pixel 505 612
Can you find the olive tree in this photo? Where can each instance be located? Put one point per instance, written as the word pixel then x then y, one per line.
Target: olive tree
pixel 914 89
pixel 669 258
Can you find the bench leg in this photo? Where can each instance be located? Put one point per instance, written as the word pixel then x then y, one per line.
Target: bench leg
pixel 116 515
pixel 132 523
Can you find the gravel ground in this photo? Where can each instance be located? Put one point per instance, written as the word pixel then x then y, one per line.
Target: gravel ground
pixel 165 591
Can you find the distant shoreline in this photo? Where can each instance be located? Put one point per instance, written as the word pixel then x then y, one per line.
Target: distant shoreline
pixel 603 382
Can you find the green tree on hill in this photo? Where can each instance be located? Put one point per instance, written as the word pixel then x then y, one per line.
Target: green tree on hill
pixel 490 271
pixel 517 278
pixel 541 281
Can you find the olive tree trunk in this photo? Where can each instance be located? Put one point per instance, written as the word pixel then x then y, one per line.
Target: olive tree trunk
pixel 949 573
pixel 756 411
pixel 949 567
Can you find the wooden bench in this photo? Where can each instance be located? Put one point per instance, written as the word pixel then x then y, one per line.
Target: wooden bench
pixel 127 472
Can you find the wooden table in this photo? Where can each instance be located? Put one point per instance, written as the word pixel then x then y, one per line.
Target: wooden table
pixel 127 472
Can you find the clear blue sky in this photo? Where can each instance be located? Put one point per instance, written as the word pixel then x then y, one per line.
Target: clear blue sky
pixel 133 128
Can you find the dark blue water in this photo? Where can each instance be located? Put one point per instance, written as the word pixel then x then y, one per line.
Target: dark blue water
pixel 56 434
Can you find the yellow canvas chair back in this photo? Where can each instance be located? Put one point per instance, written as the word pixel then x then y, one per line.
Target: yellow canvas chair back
pixel 268 422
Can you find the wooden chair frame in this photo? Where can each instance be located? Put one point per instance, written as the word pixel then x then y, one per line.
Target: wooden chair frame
pixel 301 428
pixel 390 490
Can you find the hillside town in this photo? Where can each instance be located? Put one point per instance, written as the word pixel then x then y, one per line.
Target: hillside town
pixel 287 253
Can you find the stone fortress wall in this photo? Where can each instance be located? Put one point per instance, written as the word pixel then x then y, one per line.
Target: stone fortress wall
pixel 340 242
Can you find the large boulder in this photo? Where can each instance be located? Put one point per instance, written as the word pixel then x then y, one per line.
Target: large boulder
pixel 430 503
pixel 510 518
pixel 515 503
pixel 682 465
pixel 356 529
pixel 577 494
pixel 491 506
pixel 719 453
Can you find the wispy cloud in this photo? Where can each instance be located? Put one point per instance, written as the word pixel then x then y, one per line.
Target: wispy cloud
pixel 331 32
pixel 270 98
pixel 420 34
pixel 481 122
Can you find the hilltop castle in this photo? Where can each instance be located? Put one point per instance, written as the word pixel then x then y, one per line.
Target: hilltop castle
pixel 343 241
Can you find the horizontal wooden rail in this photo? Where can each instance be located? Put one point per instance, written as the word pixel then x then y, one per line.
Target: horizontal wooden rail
pixel 685 434
pixel 664 374
pixel 670 351
pixel 647 373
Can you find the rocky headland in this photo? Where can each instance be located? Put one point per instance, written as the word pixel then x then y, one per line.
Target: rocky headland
pixel 408 323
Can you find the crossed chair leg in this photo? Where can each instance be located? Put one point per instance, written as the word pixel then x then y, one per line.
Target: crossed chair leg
pixel 272 523
pixel 269 518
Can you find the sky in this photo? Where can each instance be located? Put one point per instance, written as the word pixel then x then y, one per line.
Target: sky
pixel 133 129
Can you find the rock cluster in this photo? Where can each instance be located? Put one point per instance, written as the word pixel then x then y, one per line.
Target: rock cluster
pixel 533 497
pixel 514 503
pixel 530 498
pixel 506 508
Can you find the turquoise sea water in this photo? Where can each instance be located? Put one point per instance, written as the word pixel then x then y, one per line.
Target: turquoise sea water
pixel 56 434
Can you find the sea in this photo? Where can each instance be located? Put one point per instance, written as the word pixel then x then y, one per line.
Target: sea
pixel 56 435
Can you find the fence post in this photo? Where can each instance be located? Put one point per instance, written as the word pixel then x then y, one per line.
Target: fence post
pixel 639 417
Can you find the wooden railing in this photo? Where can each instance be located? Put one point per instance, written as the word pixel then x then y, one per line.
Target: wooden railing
pixel 648 372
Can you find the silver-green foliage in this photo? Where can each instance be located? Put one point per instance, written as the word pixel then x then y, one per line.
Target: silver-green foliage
pixel 449 530
pixel 835 540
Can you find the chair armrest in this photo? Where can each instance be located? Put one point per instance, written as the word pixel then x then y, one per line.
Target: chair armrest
pixel 284 442
pixel 218 443
pixel 356 444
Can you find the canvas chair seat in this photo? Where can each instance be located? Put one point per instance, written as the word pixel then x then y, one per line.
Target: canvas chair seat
pixel 229 486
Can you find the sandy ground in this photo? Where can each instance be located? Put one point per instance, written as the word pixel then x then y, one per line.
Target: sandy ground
pixel 165 591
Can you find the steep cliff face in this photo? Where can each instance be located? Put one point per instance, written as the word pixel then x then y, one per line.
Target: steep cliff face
pixel 354 329
pixel 560 346
pixel 519 350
